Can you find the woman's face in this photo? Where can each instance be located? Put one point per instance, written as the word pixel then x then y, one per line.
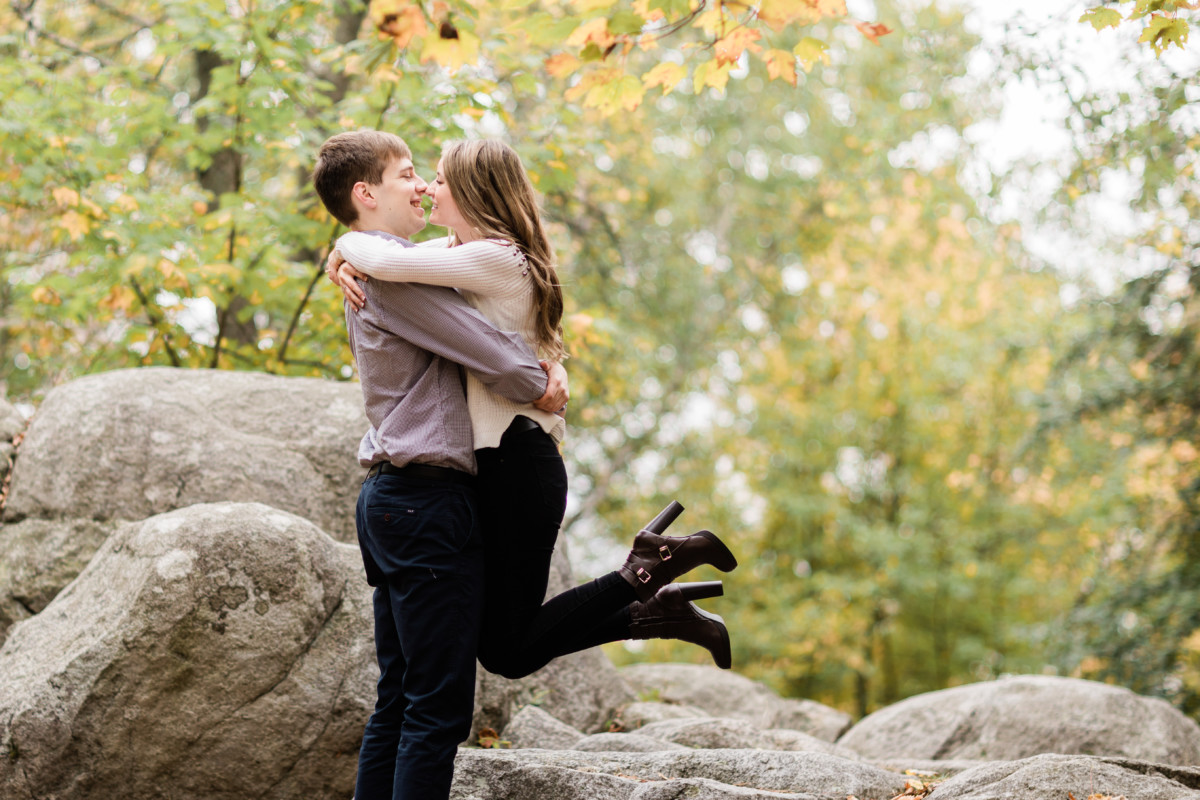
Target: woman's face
pixel 444 211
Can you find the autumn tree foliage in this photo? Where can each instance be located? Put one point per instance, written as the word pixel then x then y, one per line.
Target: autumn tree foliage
pixel 156 206
pixel 1162 22
pixel 790 303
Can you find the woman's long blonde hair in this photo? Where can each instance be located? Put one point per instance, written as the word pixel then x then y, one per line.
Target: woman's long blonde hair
pixel 494 196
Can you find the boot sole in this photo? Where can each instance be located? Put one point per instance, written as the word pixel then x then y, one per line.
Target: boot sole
pixel 723 656
pixel 725 560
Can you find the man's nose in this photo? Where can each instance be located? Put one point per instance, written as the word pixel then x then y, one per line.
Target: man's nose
pixel 421 185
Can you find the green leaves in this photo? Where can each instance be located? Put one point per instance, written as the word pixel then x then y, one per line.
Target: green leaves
pixel 1102 17
pixel 1162 32
pixel 1165 27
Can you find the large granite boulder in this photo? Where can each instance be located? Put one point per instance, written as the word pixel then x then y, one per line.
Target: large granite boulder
pixel 129 444
pixel 533 727
pixel 216 652
pixel 666 775
pixel 12 423
pixel 726 694
pixel 1023 716
pixel 38 557
pixel 718 733
pixel 645 712
pixel 1054 777
pixel 624 743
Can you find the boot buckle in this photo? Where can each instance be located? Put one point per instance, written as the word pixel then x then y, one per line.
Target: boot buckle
pixel 664 553
pixel 643 575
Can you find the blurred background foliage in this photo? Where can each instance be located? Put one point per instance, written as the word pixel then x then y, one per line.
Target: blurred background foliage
pixel 796 308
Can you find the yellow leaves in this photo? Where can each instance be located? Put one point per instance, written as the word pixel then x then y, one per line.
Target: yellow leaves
pixel 592 32
pixel 609 90
pixel 1101 18
pixel 810 51
pixel 126 203
pixel 119 298
pixel 603 32
pixel 562 64
pixel 1165 27
pixel 1163 31
pixel 65 197
pixel 46 296
pixel 667 75
pixel 915 788
pixel 781 65
pixel 451 53
pixel 710 73
pixel 75 224
pixel 591 6
pixel 778 14
pixel 400 20
pixel 444 43
pixel 1184 452
pixel 729 49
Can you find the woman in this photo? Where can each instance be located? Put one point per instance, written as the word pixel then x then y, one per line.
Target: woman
pixel 499 258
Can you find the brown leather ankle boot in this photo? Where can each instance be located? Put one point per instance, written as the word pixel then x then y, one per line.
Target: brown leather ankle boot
pixel 670 615
pixel 656 560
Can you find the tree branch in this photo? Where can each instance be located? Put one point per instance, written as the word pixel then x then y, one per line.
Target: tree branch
pixel 312 284
pixel 155 322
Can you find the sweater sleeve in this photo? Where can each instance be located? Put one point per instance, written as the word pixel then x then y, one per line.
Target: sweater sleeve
pixel 484 267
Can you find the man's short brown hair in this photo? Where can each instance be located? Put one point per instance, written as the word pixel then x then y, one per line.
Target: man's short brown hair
pixel 346 159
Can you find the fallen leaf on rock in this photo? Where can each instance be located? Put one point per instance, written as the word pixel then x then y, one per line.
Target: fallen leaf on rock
pixel 489 739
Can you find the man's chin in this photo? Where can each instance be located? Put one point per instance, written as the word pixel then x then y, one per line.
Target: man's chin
pixel 416 226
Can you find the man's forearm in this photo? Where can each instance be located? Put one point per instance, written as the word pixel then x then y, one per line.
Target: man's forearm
pixel 442 322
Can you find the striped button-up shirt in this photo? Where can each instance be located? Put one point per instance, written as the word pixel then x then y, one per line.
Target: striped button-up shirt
pixel 408 342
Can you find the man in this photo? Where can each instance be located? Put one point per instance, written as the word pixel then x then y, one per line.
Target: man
pixel 417 527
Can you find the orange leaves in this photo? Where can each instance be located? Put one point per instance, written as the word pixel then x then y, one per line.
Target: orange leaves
pixel 587 44
pixel 666 75
pixel 873 30
pixel 75 224
pixel 65 197
pixel 729 49
pixel 46 296
pixel 400 20
pixel 608 90
pixel 915 788
pixel 561 65
pixel 778 14
pixel 443 42
pixel 595 36
pixel 592 32
pixel 781 65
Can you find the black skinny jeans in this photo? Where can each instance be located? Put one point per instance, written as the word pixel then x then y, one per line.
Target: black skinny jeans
pixel 522 491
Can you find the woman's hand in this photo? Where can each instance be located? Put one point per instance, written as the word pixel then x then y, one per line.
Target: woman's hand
pixel 557 392
pixel 343 274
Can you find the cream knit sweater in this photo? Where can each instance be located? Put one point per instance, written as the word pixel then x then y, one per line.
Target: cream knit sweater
pixel 492 276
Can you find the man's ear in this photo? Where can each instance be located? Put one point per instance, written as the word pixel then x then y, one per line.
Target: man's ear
pixel 364 194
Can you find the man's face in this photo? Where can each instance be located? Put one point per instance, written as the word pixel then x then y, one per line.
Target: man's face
pixel 399 198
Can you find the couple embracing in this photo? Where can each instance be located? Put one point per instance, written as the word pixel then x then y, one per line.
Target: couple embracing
pixel 458 344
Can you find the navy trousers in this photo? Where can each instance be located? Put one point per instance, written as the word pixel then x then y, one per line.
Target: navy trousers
pixel 423 552
pixel 522 498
